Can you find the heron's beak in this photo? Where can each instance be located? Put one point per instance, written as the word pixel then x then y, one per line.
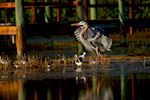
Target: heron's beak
pixel 75 24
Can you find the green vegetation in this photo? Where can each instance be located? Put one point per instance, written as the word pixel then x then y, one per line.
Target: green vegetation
pixel 47 14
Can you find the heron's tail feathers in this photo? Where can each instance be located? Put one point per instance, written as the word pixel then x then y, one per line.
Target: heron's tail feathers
pixel 106 42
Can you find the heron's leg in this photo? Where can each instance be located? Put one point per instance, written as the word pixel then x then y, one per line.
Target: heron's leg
pixel 99 56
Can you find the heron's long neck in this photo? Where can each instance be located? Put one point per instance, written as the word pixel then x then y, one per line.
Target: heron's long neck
pixel 85 27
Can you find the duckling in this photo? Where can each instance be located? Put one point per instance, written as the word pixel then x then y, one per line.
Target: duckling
pixel 17 64
pixel 5 62
pixel 49 66
pixel 24 61
pixel 79 60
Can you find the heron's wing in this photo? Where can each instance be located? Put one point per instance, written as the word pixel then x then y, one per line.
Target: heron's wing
pixel 106 42
pixel 77 33
pixel 109 42
pixel 100 30
pixel 86 44
pixel 103 41
pixel 94 38
pixel 90 33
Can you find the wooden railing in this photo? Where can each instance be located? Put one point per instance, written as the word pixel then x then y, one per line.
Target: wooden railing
pixel 58 5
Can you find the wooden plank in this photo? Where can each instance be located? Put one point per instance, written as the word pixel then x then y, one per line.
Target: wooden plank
pixel 8 30
pixel 7 5
pixel 41 4
pixel 110 5
pixel 51 4
pixel 63 4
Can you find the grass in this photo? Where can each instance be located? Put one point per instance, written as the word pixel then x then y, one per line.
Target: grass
pixel 37 61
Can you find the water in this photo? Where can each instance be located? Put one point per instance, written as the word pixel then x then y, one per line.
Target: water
pixel 119 80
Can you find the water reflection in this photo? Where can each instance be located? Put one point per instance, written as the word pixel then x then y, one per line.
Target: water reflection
pixel 11 90
pixel 126 86
pixel 95 88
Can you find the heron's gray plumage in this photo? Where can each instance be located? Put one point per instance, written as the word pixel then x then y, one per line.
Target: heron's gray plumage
pixel 92 37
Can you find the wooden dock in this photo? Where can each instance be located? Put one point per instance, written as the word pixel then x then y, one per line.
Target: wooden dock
pixel 8 30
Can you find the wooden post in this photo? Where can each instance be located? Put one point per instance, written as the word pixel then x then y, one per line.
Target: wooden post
pixel 122 21
pixel 58 14
pixel 47 13
pixel 93 10
pixel 7 19
pixel 85 10
pixel 20 25
pixel 79 10
pixel 131 15
pixel 34 13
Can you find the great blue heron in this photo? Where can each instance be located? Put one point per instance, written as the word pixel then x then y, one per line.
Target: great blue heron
pixel 93 39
